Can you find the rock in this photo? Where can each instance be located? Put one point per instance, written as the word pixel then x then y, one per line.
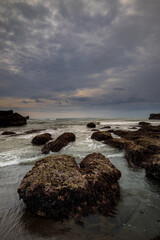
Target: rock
pixel 56 187
pixel 41 139
pixel 95 130
pixel 153 168
pixel 91 125
pixel 33 131
pixel 8 118
pixel 117 143
pixel 156 238
pixel 144 124
pixel 6 113
pixel 133 128
pixel 8 133
pixel 27 117
pixel 140 146
pixel 155 116
pixel 105 127
pixel 62 141
pixel 101 136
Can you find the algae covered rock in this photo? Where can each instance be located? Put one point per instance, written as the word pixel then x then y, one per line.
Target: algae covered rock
pixel 91 125
pixel 101 136
pixel 41 139
pixel 62 141
pixel 56 187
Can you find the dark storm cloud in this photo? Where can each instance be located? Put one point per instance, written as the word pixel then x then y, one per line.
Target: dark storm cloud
pixel 63 50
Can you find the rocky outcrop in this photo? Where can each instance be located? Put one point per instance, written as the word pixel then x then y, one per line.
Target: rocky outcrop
pixel 56 187
pixel 8 133
pixel 155 116
pixel 101 136
pixel 8 118
pixel 62 141
pixel 91 125
pixel 141 147
pixel 41 139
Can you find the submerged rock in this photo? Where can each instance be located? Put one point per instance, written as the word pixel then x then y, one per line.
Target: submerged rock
pixel 56 187
pixel 8 133
pixel 8 118
pixel 91 125
pixel 41 139
pixel 62 141
pixel 144 124
pixel 105 127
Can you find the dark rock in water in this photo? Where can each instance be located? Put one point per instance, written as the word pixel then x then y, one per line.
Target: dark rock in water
pixel 155 116
pixel 133 128
pixel 33 131
pixel 62 141
pixel 8 133
pixel 95 130
pixel 8 118
pixel 153 168
pixel 56 187
pixel 101 136
pixel 144 124
pixel 27 117
pixel 91 125
pixel 105 127
pixel 41 139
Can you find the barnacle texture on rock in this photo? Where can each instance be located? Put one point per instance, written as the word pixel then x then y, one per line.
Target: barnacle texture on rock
pixel 56 187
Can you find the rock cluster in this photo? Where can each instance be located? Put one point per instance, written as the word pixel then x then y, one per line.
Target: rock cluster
pixel 41 139
pixel 56 187
pixel 8 118
pixel 62 141
pixel 142 147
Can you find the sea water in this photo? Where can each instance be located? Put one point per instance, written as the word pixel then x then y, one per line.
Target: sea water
pixel 137 215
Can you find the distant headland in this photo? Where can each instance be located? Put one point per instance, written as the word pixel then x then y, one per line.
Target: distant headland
pixel 8 118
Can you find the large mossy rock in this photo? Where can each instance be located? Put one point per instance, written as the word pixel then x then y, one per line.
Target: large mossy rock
pixel 8 118
pixel 41 139
pixel 62 141
pixel 56 187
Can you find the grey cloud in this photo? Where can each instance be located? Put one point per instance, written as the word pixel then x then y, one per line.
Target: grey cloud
pixel 55 47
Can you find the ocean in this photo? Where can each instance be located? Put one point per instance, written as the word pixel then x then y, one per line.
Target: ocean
pixel 137 215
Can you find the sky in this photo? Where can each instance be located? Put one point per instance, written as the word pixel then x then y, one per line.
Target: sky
pixel 80 58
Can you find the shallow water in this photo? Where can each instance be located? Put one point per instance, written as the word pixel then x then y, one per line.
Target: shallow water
pixel 137 215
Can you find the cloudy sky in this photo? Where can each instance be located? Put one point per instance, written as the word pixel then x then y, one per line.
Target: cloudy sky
pixel 80 58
